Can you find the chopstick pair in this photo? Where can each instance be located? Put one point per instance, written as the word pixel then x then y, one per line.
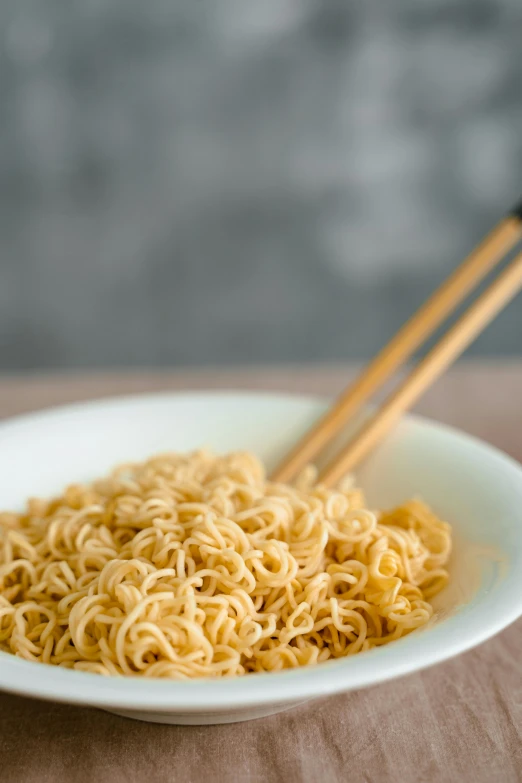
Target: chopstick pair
pixel 431 315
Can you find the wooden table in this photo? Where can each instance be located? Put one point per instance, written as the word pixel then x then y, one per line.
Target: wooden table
pixel 460 721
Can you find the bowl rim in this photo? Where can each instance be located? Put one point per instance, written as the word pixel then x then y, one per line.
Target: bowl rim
pixel 434 645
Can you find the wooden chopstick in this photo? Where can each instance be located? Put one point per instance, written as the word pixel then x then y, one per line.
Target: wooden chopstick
pixel 451 345
pixel 401 347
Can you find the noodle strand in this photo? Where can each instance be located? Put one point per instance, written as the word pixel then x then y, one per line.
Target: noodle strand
pixel 192 565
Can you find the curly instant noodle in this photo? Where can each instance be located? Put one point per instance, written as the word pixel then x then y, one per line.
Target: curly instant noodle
pixel 193 565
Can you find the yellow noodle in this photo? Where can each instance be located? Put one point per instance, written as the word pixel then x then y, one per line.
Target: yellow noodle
pixel 192 565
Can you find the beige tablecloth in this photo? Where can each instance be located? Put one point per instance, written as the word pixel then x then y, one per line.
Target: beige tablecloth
pixel 460 721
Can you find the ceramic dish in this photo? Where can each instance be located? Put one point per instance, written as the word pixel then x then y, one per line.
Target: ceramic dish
pixel 475 487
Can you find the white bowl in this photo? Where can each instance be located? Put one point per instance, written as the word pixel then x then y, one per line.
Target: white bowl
pixel 475 487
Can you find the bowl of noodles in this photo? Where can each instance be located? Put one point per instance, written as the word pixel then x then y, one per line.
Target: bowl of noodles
pixel 148 566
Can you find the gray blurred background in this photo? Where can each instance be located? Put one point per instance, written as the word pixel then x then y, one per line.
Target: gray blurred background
pixel 228 181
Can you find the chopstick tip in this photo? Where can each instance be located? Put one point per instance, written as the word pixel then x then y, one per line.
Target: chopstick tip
pixel 517 210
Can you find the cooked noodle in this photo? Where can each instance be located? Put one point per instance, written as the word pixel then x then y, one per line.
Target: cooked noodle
pixel 194 565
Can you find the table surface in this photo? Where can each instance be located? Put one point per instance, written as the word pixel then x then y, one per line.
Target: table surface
pixel 459 721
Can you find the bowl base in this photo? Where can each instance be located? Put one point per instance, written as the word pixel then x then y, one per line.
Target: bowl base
pixel 207 718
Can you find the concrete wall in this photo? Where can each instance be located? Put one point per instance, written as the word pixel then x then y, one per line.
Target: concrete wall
pixel 246 180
